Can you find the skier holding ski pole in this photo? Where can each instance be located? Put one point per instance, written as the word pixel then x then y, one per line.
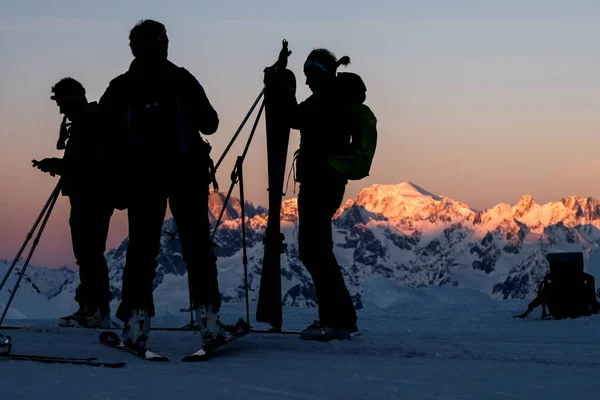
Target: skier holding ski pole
pixel 337 143
pixel 83 170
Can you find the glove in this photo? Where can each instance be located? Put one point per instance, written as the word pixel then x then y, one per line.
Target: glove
pixel 64 134
pixel 53 166
pixel 273 74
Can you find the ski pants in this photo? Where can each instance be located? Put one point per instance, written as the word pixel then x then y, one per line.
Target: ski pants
pixel 185 188
pixel 317 203
pixel 89 221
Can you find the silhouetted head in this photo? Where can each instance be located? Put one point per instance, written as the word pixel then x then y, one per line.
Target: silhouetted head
pixel 70 98
pixel 320 69
pixel 148 41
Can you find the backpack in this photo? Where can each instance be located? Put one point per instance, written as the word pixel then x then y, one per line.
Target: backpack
pixel 355 164
pixel 147 122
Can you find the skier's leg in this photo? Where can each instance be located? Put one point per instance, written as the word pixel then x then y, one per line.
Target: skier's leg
pixel 146 212
pixel 316 209
pixel 77 224
pixel 189 205
pixel 90 221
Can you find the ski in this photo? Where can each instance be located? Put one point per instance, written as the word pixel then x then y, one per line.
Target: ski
pixel 239 330
pixel 286 332
pixel 14 327
pixel 111 339
pixel 54 357
pixel 61 360
pixel 273 331
pixel 278 134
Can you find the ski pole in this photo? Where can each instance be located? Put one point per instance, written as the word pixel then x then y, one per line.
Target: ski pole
pixel 35 243
pixel 244 250
pixel 54 194
pixel 191 304
pixel 233 139
pixel 234 177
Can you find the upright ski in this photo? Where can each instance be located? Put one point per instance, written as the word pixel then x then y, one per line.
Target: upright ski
pixel 111 339
pixel 277 79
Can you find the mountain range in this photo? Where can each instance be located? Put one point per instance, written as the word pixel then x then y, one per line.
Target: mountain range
pixel 401 232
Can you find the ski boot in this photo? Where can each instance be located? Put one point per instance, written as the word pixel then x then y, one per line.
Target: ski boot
pixel 70 320
pixel 137 328
pixel 324 333
pixel 210 326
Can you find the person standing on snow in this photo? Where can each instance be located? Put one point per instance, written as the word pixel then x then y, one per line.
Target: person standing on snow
pixel 324 162
pixel 83 170
pixel 157 111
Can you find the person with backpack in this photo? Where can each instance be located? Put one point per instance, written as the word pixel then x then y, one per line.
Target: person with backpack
pixel 337 143
pixel 83 174
pixel 566 290
pixel 157 111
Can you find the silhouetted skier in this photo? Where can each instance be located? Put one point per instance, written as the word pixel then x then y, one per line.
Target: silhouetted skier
pixel 156 112
pixel 83 171
pixel 329 121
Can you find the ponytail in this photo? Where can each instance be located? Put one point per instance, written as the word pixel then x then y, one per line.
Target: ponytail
pixel 343 61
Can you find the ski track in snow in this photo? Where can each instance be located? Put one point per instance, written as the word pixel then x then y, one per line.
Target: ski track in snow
pixel 431 343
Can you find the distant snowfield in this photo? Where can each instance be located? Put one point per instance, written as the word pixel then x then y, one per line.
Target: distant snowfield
pixel 430 343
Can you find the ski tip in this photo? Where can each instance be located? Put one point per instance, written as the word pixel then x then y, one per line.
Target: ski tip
pixel 112 365
pixel 195 358
pixel 150 356
pixel 158 359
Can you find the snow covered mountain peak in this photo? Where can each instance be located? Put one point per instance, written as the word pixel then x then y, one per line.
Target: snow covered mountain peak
pixel 407 200
pixel 524 206
pixel 403 189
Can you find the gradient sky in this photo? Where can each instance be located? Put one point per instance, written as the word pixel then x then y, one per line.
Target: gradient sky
pixel 482 101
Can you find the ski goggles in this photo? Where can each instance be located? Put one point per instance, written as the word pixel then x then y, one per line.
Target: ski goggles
pixel 309 64
pixel 64 97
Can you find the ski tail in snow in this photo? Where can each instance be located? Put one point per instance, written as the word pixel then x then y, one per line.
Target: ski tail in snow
pixel 111 339
pixel 240 329
pixel 278 132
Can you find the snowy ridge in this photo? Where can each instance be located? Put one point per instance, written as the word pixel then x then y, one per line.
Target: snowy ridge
pixel 401 232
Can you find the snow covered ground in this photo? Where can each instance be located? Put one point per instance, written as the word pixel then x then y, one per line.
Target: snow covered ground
pixel 430 343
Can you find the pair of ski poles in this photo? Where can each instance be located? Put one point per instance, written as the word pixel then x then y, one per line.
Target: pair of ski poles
pixel 236 177
pixel 43 218
pixel 49 206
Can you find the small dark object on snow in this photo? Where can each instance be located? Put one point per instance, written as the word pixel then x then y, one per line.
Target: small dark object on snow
pixel 5 345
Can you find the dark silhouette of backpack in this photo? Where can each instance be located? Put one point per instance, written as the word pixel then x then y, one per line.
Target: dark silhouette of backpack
pixel 566 290
pixel 563 288
pixel 356 164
